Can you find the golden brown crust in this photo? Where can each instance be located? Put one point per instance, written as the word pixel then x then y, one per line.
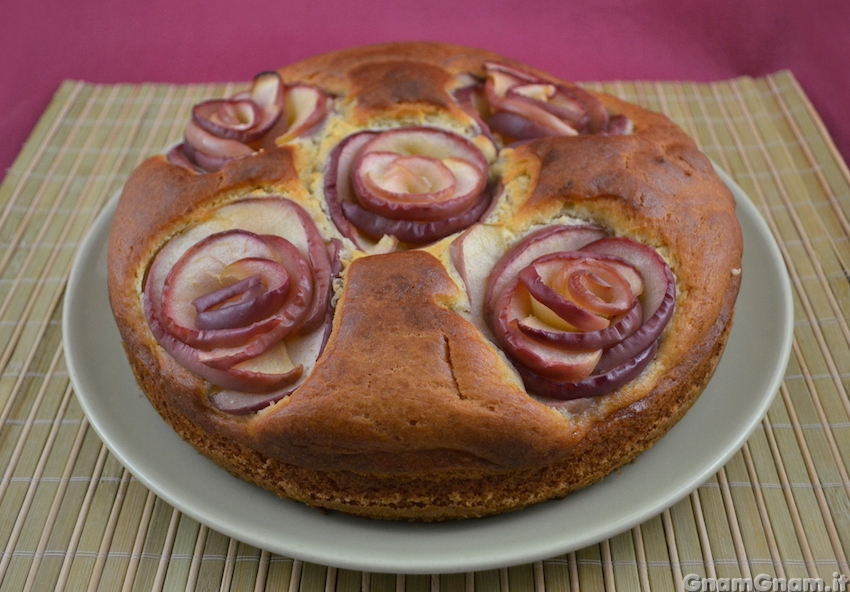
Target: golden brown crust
pixel 332 70
pixel 406 386
pixel 384 85
pixel 411 412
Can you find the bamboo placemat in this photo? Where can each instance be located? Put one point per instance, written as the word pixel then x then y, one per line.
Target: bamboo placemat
pixel 72 518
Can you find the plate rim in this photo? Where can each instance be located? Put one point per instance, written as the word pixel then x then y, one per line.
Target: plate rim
pixel 408 561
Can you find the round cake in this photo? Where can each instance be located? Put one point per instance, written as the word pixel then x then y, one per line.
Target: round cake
pixel 418 281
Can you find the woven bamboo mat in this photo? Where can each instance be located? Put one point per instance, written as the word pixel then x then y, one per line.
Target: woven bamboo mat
pixel 72 518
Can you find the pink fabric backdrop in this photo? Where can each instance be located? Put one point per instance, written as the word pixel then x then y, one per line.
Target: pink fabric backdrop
pixel 43 42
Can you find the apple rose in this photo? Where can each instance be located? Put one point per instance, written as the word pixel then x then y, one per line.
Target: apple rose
pixel 578 312
pixel 519 106
pixel 224 296
pixel 417 184
pixel 223 129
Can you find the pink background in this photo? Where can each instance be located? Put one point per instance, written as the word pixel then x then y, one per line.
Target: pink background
pixel 43 42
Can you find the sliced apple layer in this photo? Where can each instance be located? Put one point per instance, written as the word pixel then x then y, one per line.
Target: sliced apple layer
pixel 519 106
pixel 416 184
pixel 224 297
pixel 223 129
pixel 579 312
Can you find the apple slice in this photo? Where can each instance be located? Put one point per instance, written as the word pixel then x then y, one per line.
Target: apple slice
pixel 221 130
pixel 553 98
pixel 179 155
pixel 306 108
pixel 426 141
pixel 615 333
pixel 584 290
pixel 569 103
pixel 240 403
pixel 553 362
pixel 501 78
pixel 518 116
pixel 550 239
pixel 283 368
pixel 199 272
pixel 188 357
pixel 599 118
pixel 201 142
pixel 338 185
pixel 229 118
pixel 417 184
pixel 474 253
pixel 658 299
pixel 402 186
pixel 281 217
pixel 267 93
pixel 619 125
pixel 581 321
pixel 210 272
pixel 246 116
pixel 245 301
pixel 516 128
pixel 232 358
pixel 593 386
pixel 414 231
pixel 659 285
pixel 557 311
pixel 539 121
pixel 526 107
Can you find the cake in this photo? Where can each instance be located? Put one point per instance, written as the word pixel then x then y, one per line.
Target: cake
pixel 423 282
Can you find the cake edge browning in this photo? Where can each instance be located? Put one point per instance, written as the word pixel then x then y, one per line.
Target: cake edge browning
pixel 465 493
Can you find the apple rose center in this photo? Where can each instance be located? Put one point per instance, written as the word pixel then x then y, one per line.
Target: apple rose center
pixel 578 312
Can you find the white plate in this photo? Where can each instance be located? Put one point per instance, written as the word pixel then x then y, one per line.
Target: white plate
pixel 716 427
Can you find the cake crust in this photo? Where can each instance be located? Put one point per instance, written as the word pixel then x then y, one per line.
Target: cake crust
pixel 412 412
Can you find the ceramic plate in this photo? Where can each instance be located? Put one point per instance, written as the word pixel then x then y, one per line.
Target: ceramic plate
pixel 716 427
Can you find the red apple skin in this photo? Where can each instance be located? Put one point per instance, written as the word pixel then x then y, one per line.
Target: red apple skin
pixel 219 130
pixel 203 113
pixel 576 316
pixel 457 195
pixel 338 187
pixel 177 310
pixel 550 239
pixel 255 302
pixel 188 357
pixel 309 268
pixel 518 113
pixel 556 364
pixel 593 386
pixel 414 231
pixel 351 213
pixel 587 340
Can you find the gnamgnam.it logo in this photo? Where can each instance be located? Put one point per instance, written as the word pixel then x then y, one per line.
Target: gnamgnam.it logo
pixel 765 583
